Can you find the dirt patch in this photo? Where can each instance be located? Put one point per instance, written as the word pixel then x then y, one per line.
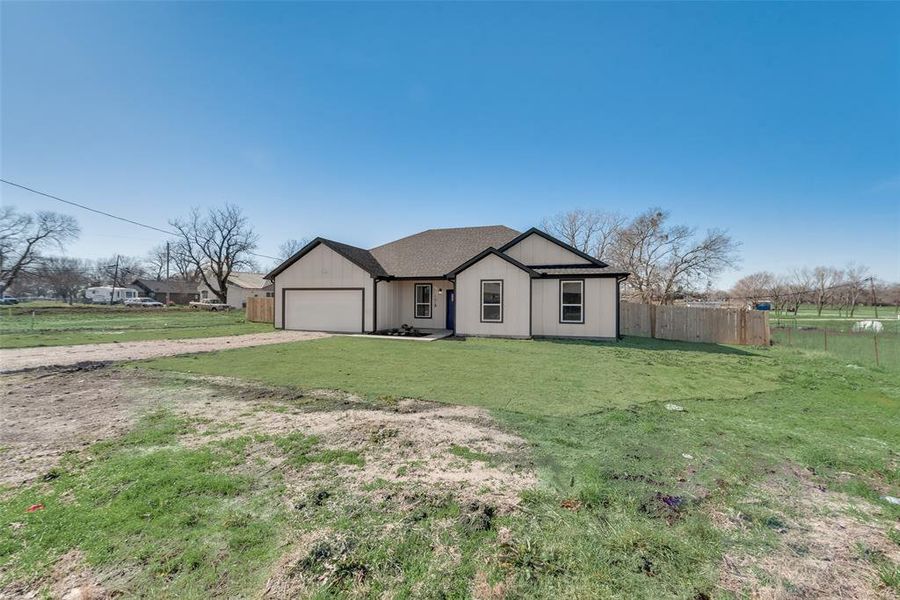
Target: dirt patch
pixel 46 414
pixel 826 542
pixel 49 413
pixel 19 359
pixel 69 579
pixel 409 441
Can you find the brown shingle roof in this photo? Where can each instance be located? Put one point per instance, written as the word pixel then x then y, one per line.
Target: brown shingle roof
pixel 167 286
pixel 436 252
pixel 433 253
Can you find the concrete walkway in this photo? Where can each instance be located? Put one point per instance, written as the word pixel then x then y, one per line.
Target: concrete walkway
pixel 53 356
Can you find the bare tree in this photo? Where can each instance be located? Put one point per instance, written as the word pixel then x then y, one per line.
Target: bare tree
pixel 665 261
pixel 158 261
pixel 799 283
pixel 24 236
pixel 824 280
pixel 856 278
pixel 755 287
pixel 129 268
pixel 65 277
pixel 216 244
pixel 172 260
pixel 781 293
pixel 591 231
pixel 290 247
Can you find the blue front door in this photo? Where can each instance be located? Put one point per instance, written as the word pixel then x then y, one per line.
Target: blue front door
pixel 451 310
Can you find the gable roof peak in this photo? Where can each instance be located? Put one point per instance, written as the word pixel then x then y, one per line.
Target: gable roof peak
pixel 555 240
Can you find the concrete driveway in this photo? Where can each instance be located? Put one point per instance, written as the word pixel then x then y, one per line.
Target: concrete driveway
pixel 52 356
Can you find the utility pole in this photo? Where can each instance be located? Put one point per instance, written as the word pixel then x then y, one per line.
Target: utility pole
pixel 112 293
pixel 872 286
pixel 167 261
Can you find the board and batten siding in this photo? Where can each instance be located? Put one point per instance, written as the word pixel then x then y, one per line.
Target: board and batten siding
pixel 535 250
pixel 599 309
pixel 388 304
pixel 516 294
pixel 396 304
pixel 322 267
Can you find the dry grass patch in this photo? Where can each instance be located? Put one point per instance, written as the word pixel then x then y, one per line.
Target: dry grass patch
pixel 828 544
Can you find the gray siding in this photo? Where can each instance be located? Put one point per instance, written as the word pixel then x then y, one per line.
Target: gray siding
pixel 322 267
pixel 535 250
pixel 599 309
pixel 516 299
pixel 396 304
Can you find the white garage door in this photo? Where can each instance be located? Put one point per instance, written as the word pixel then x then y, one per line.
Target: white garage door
pixel 324 310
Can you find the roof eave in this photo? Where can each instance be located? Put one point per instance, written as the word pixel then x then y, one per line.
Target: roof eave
pixel 334 246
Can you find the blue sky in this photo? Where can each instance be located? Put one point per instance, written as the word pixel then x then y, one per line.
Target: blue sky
pixel 366 122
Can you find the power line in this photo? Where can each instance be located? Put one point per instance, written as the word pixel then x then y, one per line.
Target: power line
pixel 106 214
pixel 93 210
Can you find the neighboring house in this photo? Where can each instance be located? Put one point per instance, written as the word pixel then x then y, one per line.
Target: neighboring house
pixel 476 281
pixel 177 291
pixel 241 285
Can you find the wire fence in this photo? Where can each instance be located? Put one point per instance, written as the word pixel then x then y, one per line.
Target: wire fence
pixel 863 346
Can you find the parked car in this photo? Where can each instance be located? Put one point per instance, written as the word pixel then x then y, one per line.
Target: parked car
pixel 210 304
pixel 144 303
pixel 8 300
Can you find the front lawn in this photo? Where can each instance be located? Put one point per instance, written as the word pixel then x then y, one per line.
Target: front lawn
pixel 29 325
pixel 639 469
pixel 535 377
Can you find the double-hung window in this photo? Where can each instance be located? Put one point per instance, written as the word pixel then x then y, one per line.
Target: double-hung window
pixel 492 301
pixel 423 300
pixel 571 301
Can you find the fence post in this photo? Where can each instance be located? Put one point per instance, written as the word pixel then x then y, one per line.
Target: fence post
pixel 790 342
pixel 826 339
pixel 652 320
pixel 875 337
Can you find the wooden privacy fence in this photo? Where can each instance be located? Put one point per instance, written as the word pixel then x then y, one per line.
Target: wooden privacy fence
pixel 261 310
pixel 688 324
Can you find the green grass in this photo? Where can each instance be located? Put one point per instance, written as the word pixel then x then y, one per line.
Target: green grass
pixel 177 521
pixel 853 348
pixel 626 485
pixel 303 450
pixel 469 454
pixel 537 377
pixel 835 320
pixel 58 325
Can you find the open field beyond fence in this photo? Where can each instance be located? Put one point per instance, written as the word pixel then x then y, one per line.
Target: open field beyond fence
pixel 47 324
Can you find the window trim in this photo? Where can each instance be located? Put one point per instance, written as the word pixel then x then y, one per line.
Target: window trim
pixel 417 304
pixel 482 304
pixel 561 305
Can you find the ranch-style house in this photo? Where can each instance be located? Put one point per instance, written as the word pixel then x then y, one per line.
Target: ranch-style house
pixel 475 281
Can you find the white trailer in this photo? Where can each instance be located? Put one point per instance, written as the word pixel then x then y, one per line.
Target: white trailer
pixel 101 294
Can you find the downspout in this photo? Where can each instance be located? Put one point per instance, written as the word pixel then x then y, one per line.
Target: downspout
pixel 375 281
pixel 618 308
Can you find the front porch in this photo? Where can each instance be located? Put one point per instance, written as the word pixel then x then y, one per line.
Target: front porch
pixel 426 304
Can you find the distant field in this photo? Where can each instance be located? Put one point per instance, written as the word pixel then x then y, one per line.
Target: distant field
pixel 57 324
pixel 808 331
pixel 835 320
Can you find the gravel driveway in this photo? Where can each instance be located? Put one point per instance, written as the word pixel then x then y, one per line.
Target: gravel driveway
pixel 52 356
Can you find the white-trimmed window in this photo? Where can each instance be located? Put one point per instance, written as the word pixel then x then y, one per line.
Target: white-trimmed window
pixel 492 301
pixel 423 300
pixel 571 301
